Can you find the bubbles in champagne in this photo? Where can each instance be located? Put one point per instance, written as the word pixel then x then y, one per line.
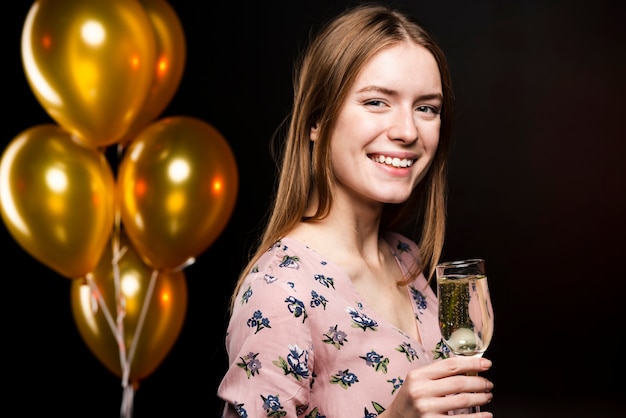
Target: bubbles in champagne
pixel 465 313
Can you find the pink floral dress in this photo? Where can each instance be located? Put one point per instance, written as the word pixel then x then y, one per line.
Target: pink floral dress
pixel 303 343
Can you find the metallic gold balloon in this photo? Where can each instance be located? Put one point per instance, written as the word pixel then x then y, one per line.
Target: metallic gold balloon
pixel 90 64
pixel 57 199
pixel 177 185
pixel 169 64
pixel 163 297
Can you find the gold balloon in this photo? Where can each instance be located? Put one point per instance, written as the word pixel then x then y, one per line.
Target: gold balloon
pixel 90 64
pixel 163 297
pixel 177 185
pixel 169 64
pixel 57 199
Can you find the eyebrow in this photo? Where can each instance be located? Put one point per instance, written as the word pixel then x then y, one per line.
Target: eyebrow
pixel 389 92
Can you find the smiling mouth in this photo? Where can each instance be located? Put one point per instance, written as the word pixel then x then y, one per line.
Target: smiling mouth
pixel 393 161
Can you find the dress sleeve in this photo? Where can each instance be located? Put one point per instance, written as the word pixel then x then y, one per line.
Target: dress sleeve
pixel 269 347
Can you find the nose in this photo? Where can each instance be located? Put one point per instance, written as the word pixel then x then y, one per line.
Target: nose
pixel 403 126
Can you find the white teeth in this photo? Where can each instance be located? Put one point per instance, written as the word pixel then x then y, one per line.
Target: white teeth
pixel 396 162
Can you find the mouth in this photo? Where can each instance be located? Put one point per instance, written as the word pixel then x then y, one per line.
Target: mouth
pixel 392 161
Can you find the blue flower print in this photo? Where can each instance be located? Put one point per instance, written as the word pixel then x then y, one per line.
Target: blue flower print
pixel 272 406
pixel 314 414
pixel 375 360
pixel 403 247
pixel 344 378
pixel 396 383
pixel 246 295
pixel 408 351
pixel 269 278
pixel 240 410
pixel 296 307
pixel 441 350
pixel 335 337
pixel 317 300
pixel 369 414
pixel 290 261
pixel 377 407
pixel 296 363
pixel 250 364
pixel 420 301
pixel 325 281
pixel 258 321
pixel 419 298
pixel 361 320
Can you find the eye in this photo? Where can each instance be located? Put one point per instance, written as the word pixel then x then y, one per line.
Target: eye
pixel 429 111
pixel 374 103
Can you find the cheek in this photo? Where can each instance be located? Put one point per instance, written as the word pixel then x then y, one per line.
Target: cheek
pixel 430 139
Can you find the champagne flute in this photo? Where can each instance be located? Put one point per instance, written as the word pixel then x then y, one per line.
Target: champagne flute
pixel 465 310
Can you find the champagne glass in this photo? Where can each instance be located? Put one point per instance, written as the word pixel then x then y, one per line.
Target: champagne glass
pixel 465 311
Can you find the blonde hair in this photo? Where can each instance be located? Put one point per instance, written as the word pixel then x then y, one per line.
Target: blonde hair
pixel 322 79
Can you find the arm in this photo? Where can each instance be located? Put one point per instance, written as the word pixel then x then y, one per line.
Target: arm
pixel 268 346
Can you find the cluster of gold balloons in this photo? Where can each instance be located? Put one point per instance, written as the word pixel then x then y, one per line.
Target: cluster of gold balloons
pixel 104 70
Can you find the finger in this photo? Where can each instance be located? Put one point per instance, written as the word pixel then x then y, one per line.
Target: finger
pixel 456 366
pixel 465 400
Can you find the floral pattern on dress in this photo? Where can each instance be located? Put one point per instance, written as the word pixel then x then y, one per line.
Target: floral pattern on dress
pixel 360 320
pixel 326 281
pixel 420 301
pixel 441 350
pixel 272 406
pixel 296 363
pixel 376 361
pixel 250 364
pixel 300 314
pixel 345 378
pixel 335 337
pixel 258 322
pixel 396 383
pixel 317 300
pixel 378 409
pixel 409 352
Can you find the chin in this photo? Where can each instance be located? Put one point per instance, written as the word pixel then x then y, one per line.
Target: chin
pixel 395 200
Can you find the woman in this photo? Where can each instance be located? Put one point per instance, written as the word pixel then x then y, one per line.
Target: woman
pixel 333 316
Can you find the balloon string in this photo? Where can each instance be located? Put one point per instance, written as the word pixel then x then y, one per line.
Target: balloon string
pixel 119 298
pixel 117 326
pixel 142 317
pixel 184 265
pixel 126 410
pixel 105 311
pixel 129 391
pixel 128 394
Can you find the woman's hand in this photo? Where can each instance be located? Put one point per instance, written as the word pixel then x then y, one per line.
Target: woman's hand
pixel 446 385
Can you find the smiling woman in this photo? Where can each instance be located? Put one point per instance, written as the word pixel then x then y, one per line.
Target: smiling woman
pixel 333 315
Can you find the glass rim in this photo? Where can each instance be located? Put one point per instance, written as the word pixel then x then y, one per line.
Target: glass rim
pixel 461 263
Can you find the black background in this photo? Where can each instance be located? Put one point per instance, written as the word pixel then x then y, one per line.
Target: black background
pixel 537 184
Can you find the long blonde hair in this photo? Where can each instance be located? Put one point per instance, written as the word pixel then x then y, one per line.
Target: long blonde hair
pixel 321 82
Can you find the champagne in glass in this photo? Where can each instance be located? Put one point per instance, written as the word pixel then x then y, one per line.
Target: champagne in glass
pixel 465 311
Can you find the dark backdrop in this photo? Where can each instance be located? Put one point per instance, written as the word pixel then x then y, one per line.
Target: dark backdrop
pixel 537 187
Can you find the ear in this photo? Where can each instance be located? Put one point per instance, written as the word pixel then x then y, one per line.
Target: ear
pixel 314 132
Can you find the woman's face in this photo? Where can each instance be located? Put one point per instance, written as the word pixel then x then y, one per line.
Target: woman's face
pixel 387 129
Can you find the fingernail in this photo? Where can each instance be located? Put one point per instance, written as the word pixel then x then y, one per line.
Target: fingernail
pixel 485 362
